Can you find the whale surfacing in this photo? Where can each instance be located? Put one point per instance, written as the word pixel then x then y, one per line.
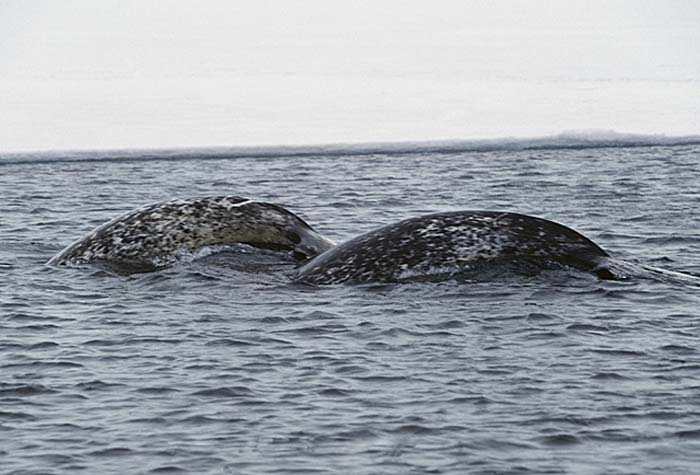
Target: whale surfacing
pixel 442 245
pixel 432 247
pixel 150 237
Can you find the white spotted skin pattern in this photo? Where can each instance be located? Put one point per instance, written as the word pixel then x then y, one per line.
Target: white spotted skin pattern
pixel 155 233
pixel 449 242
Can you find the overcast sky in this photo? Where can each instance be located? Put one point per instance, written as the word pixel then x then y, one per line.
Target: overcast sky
pixel 119 74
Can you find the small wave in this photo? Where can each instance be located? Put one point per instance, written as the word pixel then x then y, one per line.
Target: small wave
pixel 22 390
pixel 225 392
pixel 688 434
pixel 16 416
pixel 608 375
pixel 168 469
pixel 111 452
pixel 560 439
pixel 571 140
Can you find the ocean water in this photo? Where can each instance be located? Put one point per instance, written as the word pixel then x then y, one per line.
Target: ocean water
pixel 212 367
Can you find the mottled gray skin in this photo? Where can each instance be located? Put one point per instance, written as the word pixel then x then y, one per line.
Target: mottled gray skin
pixel 150 237
pixel 445 244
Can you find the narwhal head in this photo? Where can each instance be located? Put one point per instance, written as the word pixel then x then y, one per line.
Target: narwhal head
pixel 274 227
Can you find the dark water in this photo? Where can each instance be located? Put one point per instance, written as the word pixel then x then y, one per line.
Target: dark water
pixel 208 368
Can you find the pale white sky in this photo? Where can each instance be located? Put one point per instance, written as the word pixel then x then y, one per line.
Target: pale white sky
pixel 119 74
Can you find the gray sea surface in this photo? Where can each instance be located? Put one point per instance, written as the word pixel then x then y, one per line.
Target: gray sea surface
pixel 213 367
